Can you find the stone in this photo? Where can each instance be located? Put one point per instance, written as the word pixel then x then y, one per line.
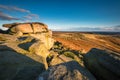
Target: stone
pixel 23 54
pixel 16 66
pixel 66 71
pixel 40 49
pixel 59 59
pixel 105 65
pixel 46 38
pixel 34 27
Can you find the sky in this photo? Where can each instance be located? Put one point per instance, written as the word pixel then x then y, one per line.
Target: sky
pixel 64 15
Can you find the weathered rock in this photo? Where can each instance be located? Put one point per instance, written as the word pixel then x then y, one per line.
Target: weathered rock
pixel 34 29
pixel 58 59
pixel 38 44
pixel 66 71
pixel 20 28
pixel 23 57
pixel 10 25
pixel 40 49
pixel 7 37
pixel 104 64
pixel 46 38
pixel 15 66
pixel 15 44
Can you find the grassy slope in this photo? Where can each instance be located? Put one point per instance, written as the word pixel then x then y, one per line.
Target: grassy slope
pixel 86 41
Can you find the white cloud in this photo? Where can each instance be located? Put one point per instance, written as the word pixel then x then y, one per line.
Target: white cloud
pixel 30 16
pixel 13 8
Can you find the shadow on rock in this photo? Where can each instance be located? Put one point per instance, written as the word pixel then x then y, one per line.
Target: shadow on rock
pixel 15 66
pixel 26 42
pixel 105 65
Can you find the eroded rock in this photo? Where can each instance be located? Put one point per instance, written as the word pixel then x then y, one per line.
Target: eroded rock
pixel 23 57
pixel 35 29
pixel 59 59
pixel 20 28
pixel 104 64
pixel 40 49
pixel 46 38
pixel 66 71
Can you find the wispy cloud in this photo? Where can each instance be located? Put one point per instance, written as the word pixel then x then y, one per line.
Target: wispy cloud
pixel 4 16
pixel 31 16
pixel 13 8
pixel 20 9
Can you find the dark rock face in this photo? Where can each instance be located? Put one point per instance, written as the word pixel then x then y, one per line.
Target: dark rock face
pixel 105 65
pixel 66 71
pixel 2 31
pixel 15 66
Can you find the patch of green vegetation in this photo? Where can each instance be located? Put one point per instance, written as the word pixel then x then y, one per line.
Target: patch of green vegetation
pixel 74 54
pixel 58 47
pixel 75 57
pixel 49 58
pixel 69 54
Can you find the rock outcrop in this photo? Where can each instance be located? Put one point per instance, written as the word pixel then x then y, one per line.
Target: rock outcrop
pixel 23 57
pixel 66 71
pixel 34 29
pixel 105 65
pixel 21 28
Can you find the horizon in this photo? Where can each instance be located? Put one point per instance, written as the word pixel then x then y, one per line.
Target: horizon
pixel 64 15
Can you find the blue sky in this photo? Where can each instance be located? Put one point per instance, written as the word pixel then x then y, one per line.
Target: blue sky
pixel 65 15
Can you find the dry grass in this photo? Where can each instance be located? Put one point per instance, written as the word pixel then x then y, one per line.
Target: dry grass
pixel 86 41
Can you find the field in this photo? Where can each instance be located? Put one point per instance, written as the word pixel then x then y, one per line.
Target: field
pixel 85 41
